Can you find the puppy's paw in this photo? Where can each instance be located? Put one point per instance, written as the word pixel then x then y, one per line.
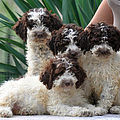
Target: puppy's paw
pixel 86 113
pixel 115 110
pixel 5 112
pixel 81 112
pixel 98 111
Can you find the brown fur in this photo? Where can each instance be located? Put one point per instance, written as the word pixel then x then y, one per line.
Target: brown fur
pixel 57 67
pixel 20 27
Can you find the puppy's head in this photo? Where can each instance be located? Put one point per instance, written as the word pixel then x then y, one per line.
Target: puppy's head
pixel 63 72
pixel 39 19
pixel 65 39
pixel 104 40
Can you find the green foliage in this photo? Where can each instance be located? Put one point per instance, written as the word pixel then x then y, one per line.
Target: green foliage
pixel 79 12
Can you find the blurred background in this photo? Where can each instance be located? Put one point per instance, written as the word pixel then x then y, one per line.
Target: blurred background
pixel 12 48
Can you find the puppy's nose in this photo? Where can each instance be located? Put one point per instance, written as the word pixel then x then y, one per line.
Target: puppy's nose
pixel 40 34
pixel 67 83
pixel 103 51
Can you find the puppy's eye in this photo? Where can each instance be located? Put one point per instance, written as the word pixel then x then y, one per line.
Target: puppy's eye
pixel 28 16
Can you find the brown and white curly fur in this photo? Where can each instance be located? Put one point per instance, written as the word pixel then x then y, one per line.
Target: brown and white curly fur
pixel 66 95
pixel 71 38
pixel 102 64
pixel 35 27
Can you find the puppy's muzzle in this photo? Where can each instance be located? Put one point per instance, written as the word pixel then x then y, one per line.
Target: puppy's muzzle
pixel 102 52
pixel 67 83
pixel 41 34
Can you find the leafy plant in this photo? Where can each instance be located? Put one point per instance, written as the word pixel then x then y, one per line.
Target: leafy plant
pixel 79 12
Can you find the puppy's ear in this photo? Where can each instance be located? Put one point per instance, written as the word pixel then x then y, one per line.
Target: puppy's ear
pixel 79 73
pixel 51 43
pixel 20 27
pixel 47 76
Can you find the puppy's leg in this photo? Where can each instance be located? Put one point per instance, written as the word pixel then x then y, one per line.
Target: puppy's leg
pixel 110 89
pixel 65 110
pixel 5 112
pixel 96 110
pixel 115 110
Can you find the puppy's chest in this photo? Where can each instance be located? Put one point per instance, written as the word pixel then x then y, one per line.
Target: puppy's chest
pixel 75 99
pixel 38 52
pixel 100 73
pixel 42 52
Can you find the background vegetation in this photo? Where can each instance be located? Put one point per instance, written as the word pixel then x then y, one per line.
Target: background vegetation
pixel 12 48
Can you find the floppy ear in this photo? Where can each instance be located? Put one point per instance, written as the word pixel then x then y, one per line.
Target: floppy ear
pixel 52 43
pixel 47 76
pixel 79 73
pixel 20 27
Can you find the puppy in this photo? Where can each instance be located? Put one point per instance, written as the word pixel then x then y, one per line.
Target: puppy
pixel 65 39
pixel 35 27
pixel 68 86
pixel 65 97
pixel 102 62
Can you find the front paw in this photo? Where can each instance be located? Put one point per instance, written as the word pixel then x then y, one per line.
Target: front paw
pixel 98 111
pixel 115 110
pixel 81 112
pixel 5 112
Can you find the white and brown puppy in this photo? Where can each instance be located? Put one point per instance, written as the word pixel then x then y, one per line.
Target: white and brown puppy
pixel 65 97
pixel 35 27
pixel 68 86
pixel 102 62
pixel 65 39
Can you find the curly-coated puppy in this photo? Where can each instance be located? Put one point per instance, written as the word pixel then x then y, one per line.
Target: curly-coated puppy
pixel 102 62
pixel 65 39
pixel 25 98
pixel 66 96
pixel 35 27
pixel 68 88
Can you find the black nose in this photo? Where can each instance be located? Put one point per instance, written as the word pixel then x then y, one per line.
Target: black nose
pixel 41 34
pixel 67 83
pixel 103 51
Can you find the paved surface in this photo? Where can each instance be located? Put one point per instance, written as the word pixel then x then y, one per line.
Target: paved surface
pixel 48 117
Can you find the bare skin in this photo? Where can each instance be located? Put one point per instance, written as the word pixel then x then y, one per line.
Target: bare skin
pixel 103 14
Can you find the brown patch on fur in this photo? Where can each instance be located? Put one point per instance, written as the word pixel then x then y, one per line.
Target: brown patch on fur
pixel 57 67
pixel 16 108
pixel 58 42
pixel 97 31
pixel 83 41
pixel 51 21
pixel 20 27
pixel 79 71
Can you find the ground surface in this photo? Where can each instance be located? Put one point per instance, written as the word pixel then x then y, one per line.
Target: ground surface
pixel 48 117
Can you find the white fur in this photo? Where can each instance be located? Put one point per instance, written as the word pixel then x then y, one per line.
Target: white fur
pixel 24 96
pixel 36 15
pixel 70 36
pixel 104 75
